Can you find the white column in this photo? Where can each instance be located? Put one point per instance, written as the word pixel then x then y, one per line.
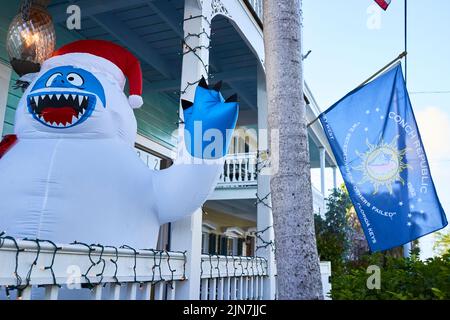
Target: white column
pixel 264 213
pixel 334 178
pixel 187 233
pixel 407 250
pixel 322 170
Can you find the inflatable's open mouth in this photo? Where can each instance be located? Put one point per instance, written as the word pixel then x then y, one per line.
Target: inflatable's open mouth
pixel 61 109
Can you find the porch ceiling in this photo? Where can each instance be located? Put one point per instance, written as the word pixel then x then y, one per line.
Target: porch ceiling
pixel 153 31
pixel 242 208
pixel 228 53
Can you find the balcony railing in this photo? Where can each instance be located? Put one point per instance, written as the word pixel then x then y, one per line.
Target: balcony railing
pixel 239 170
pixel 232 278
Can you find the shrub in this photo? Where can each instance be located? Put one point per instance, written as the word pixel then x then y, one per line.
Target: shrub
pixel 401 279
pixel 340 240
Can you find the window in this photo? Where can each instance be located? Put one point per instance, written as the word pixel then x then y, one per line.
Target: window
pixel 223 250
pixel 250 243
pixel 5 78
pixel 225 245
pixel 247 144
pixel 205 243
pixel 212 244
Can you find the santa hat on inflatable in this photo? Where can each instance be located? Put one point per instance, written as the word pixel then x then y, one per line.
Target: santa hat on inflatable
pixel 114 61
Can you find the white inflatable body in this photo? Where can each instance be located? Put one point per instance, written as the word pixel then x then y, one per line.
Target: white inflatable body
pixel 82 180
pixel 94 191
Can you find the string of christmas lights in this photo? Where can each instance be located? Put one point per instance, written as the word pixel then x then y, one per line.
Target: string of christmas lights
pixel 264 244
pixel 187 49
pixel 22 284
pixel 262 162
pixel 251 263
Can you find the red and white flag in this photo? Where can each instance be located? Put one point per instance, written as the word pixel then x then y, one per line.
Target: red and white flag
pixel 384 4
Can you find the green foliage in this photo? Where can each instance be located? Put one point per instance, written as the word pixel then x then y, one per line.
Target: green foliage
pixel 401 279
pixel 442 243
pixel 336 233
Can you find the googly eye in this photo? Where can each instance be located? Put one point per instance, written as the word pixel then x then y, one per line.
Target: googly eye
pixel 52 78
pixel 75 79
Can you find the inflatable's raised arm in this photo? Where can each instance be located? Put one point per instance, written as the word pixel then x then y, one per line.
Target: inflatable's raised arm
pixel 209 122
pixel 70 172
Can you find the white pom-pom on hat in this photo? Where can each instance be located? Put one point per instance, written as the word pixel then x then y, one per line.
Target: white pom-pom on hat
pixel 135 101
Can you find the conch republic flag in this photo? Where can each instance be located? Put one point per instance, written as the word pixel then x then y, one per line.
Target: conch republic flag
pixel 375 140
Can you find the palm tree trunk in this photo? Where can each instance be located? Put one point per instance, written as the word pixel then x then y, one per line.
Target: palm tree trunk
pixel 298 266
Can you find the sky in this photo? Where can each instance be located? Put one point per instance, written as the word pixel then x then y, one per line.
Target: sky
pixel 352 39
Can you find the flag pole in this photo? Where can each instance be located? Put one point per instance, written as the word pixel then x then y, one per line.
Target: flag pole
pixel 407 246
pixel 400 56
pixel 406 41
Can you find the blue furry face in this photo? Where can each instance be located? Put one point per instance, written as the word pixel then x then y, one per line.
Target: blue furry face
pixel 65 97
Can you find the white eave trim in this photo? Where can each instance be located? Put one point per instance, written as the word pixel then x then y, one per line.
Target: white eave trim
pixel 208 226
pixel 155 147
pixel 313 111
pixel 234 232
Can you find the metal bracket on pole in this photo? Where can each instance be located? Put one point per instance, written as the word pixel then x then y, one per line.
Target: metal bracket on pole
pixel 400 56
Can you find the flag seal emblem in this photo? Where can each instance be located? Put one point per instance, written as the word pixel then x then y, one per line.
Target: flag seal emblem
pixel 382 165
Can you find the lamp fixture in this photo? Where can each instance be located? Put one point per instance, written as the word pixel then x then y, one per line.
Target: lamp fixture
pixel 31 37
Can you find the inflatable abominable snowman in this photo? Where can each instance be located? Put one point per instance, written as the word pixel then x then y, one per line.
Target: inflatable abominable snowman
pixel 73 173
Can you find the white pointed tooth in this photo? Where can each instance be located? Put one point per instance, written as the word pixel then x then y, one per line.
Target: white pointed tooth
pixel 66 96
pixel 74 119
pixel 61 125
pixel 74 96
pixel 80 100
pixel 54 124
pixel 58 96
pixel 36 100
pixel 43 96
pixel 50 96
